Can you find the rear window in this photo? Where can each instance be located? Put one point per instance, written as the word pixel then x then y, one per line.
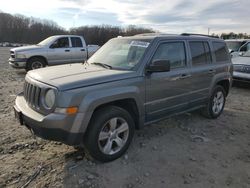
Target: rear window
pixel 220 51
pixel 76 42
pixel 200 52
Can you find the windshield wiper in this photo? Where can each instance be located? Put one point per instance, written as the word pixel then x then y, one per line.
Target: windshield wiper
pixel 103 65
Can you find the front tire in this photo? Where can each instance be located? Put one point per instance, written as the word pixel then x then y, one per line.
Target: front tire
pixel 35 63
pixel 216 103
pixel 109 133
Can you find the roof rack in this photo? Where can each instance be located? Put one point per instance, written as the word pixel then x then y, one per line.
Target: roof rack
pixel 194 34
pixel 153 34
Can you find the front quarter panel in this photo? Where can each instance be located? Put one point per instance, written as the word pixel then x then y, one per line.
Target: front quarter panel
pixel 38 52
pixel 89 98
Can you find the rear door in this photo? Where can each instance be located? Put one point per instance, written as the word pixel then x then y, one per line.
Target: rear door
pixel 202 71
pixel 167 92
pixel 79 52
pixel 60 52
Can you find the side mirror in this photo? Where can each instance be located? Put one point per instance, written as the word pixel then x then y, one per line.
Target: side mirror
pixel 159 65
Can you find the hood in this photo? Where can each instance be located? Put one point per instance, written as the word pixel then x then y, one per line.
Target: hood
pixel 26 48
pixel 71 76
pixel 241 60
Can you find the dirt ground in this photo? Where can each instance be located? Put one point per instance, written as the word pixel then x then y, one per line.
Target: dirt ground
pixel 184 151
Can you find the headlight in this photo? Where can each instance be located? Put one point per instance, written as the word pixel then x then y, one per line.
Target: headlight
pixel 20 56
pixel 49 99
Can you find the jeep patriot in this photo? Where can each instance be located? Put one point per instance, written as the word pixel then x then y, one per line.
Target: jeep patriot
pixel 128 83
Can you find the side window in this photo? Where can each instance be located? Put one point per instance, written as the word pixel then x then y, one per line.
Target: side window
pixel 245 47
pixel 61 43
pixel 248 46
pixel 200 53
pixel 220 51
pixel 173 52
pixel 208 52
pixel 76 42
pixel 246 52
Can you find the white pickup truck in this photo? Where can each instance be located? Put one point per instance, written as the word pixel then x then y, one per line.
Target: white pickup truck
pixel 55 50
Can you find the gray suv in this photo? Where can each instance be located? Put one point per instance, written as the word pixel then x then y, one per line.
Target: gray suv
pixel 128 83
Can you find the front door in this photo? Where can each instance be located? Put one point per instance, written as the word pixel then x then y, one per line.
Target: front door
pixel 60 52
pixel 167 92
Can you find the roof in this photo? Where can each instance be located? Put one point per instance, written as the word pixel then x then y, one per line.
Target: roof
pixel 183 36
pixel 66 36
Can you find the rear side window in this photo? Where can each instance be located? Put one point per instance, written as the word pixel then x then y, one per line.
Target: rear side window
pixel 200 52
pixel 173 52
pixel 220 51
pixel 76 42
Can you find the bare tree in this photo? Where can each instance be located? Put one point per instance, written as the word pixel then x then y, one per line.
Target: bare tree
pixel 21 29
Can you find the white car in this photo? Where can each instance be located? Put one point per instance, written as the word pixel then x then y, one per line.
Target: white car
pixel 241 64
pixel 234 46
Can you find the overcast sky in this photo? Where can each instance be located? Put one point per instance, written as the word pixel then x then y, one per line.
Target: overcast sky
pixel 171 16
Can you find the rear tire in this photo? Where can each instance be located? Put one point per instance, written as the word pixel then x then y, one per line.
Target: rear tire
pixel 109 133
pixel 216 103
pixel 35 63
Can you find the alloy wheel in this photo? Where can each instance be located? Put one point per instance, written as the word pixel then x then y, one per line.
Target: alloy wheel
pixel 113 136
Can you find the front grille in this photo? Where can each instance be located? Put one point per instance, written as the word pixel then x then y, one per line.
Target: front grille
pixel 246 69
pixel 32 95
pixel 12 54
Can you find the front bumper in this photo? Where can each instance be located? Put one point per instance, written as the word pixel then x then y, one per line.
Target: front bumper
pixel 54 126
pixel 241 76
pixel 18 63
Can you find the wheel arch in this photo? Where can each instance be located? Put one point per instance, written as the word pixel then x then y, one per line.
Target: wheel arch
pixel 128 104
pixel 222 79
pixel 127 98
pixel 225 84
pixel 38 56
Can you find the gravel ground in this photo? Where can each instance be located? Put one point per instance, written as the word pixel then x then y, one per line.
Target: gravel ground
pixel 183 151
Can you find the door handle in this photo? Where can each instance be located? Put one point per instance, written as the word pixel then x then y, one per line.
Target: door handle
pixel 82 50
pixel 67 50
pixel 212 71
pixel 184 76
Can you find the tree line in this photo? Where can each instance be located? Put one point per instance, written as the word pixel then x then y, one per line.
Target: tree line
pixel 232 35
pixel 21 29
pixel 101 34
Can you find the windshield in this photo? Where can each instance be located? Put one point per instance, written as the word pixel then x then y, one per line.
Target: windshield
pixel 234 45
pixel 46 41
pixel 120 53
